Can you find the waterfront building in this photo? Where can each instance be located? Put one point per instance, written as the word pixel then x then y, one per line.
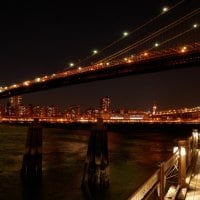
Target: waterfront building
pixel 105 107
pixel 154 109
pixel 105 104
pixel 13 106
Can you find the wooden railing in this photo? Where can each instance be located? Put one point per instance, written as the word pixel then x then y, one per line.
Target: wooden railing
pixel 184 153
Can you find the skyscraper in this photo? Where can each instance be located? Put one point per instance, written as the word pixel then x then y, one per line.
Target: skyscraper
pixel 15 101
pixel 14 105
pixel 154 109
pixel 105 104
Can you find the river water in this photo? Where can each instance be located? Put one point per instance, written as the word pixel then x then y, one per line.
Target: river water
pixel 134 155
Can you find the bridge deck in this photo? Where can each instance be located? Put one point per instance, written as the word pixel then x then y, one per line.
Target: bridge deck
pixel 193 192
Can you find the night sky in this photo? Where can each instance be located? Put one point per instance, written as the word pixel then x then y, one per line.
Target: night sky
pixel 42 37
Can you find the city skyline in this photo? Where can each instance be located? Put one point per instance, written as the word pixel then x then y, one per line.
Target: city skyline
pixel 42 38
pixel 15 111
pixel 105 104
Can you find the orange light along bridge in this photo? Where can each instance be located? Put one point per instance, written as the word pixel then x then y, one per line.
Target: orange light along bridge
pixel 146 62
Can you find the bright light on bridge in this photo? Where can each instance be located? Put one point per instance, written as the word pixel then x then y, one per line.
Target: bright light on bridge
pixel 1 89
pixel 195 25
pixel 125 33
pixel 14 86
pixel 156 44
pixel 183 49
pixel 165 9
pixel 38 80
pixel 95 51
pixel 26 83
pixel 71 64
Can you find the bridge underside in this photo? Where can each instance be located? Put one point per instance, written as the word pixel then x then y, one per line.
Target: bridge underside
pixel 140 67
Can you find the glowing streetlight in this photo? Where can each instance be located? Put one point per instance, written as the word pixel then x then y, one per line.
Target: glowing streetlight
pixel 125 34
pixel 71 64
pixel 37 79
pixel 95 51
pixel 156 44
pixel 183 49
pixel 14 85
pixel 195 25
pixel 165 9
pixel 26 83
pixel 1 89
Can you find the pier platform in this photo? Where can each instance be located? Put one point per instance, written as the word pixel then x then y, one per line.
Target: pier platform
pixel 193 192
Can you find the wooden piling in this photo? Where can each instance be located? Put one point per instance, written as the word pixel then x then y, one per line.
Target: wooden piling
pixel 32 160
pixel 96 175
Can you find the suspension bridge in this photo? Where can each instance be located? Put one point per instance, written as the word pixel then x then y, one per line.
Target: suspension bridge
pixel 170 46
pixel 152 47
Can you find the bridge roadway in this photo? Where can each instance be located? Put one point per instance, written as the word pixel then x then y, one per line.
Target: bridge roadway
pixel 156 61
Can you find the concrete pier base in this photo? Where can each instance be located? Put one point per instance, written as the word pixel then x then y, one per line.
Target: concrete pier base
pixel 32 159
pixel 96 170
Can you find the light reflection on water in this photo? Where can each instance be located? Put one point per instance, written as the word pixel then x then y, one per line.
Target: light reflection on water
pixel 133 157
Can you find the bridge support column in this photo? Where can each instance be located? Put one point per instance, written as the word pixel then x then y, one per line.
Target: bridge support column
pixel 182 163
pixel 32 160
pixel 97 162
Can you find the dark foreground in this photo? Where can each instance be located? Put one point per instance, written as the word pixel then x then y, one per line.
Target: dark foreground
pixel 134 153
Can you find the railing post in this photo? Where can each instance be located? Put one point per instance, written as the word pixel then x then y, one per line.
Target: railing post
pixel 189 141
pixel 162 181
pixel 182 163
pixel 195 138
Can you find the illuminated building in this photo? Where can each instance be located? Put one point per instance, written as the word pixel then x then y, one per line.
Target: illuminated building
pixel 36 111
pixel 52 111
pixel 154 109
pixel 72 112
pixel 22 111
pixel 105 104
pixel 1 111
pixel 13 106
pixel 91 114
pixel 15 101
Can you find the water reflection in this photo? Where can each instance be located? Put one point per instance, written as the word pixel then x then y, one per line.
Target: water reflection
pixel 133 157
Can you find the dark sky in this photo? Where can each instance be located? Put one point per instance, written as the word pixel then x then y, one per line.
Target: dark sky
pixel 42 37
